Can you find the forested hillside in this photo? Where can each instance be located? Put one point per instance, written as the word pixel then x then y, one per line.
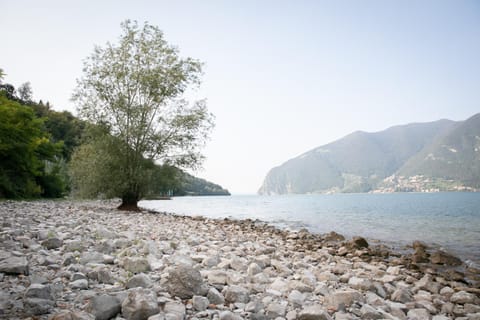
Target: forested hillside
pixel 434 156
pixel 36 145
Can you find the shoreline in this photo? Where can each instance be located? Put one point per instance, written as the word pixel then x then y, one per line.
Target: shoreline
pixel 71 259
pixel 393 232
pixel 382 249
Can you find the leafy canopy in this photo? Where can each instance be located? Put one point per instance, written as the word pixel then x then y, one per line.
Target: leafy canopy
pixel 27 155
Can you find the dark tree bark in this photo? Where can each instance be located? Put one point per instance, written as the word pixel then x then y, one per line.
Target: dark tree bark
pixel 129 202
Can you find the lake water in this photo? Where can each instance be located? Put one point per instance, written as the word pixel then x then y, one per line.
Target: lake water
pixel 448 220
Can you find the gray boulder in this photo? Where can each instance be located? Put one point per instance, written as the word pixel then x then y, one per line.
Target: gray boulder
pixel 369 312
pixel 14 265
pixel 228 315
pixel 104 307
pixel 184 281
pixel 91 257
pixel 314 312
pixel 105 276
pixel 140 304
pixel 235 294
pixel 418 314
pixel 38 299
pixel 462 297
pixel 200 303
pixel 276 310
pixel 73 315
pixel 80 284
pixel 136 264
pixel 215 297
pixel 402 295
pixel 345 297
pixel 174 310
pixel 139 280
pixel 52 243
pixel 39 291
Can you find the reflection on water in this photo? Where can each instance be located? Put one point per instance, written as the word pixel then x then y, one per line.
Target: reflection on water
pixel 450 220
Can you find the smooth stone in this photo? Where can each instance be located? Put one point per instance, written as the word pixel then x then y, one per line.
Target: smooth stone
pixel 402 295
pixel 444 258
pixel 184 282
pixel 369 312
pixel 462 297
pixel 418 314
pixel 359 242
pixel 52 243
pixel 105 276
pixel 200 303
pixel 253 269
pixel 313 312
pixel 360 283
pixel 228 315
pixel 275 310
pixel 140 304
pixel 236 294
pixel 39 291
pixel 14 265
pixel 139 280
pixel 36 306
pixel 215 297
pixel 136 264
pixel 78 276
pixel 175 308
pixel 81 284
pixel 296 298
pixel 104 307
pixel 91 257
pixel 73 315
pixel 345 297
pixel 217 277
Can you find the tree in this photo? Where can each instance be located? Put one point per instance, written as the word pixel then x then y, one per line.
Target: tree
pixel 25 92
pixel 133 90
pixel 27 156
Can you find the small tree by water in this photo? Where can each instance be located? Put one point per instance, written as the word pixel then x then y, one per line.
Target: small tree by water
pixel 131 93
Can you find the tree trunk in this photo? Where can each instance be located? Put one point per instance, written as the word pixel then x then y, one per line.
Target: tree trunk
pixel 129 203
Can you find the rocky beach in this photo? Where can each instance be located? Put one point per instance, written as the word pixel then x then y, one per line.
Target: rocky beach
pixel 86 260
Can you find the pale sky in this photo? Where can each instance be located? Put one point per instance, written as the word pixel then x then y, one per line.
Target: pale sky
pixel 281 77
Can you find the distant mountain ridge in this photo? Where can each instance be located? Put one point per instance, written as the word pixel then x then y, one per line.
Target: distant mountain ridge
pixel 434 156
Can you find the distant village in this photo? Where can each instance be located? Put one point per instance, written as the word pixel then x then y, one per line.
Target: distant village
pixel 420 183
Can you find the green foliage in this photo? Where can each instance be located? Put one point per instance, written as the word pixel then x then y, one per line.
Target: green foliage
pixel 134 91
pixel 194 186
pixel 172 181
pixel 62 126
pixel 25 151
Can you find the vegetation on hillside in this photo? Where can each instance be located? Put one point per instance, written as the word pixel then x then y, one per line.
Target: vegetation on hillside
pixel 32 159
pixel 37 144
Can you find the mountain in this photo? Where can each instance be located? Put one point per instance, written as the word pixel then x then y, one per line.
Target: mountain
pixel 439 155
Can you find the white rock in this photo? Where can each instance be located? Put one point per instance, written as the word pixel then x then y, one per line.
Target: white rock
pixel 296 298
pixel 200 303
pixel 418 314
pixel 314 312
pixel 462 297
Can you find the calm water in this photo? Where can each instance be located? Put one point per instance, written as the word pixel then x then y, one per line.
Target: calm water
pixel 449 220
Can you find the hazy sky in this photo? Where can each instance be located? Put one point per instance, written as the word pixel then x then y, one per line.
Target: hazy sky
pixel 281 77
